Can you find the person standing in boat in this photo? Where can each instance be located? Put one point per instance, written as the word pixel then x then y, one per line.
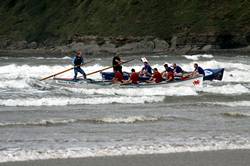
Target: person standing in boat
pixel 117 64
pixel 168 73
pixel 198 70
pixel 146 71
pixel 78 61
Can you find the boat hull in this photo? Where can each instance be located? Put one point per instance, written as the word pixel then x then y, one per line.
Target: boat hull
pixel 89 83
pixel 210 74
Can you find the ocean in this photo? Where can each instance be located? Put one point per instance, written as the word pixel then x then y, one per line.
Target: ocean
pixel 48 119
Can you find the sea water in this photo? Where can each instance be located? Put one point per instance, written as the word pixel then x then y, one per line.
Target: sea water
pixel 47 119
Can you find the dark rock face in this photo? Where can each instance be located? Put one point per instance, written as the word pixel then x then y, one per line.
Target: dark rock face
pixel 183 44
pixel 4 43
pixel 113 45
pixel 32 45
pixel 227 40
pixel 21 45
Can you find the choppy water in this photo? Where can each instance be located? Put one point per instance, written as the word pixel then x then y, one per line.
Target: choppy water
pixel 40 120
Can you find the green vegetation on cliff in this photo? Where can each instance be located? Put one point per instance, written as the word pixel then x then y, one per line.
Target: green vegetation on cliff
pixel 59 20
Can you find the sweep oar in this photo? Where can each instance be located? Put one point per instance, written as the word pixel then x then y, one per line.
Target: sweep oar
pixel 53 75
pixel 106 68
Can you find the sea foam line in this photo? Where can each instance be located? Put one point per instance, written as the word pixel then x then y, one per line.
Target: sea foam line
pixel 226 89
pixel 117 150
pixel 235 103
pixel 61 121
pixel 62 101
pixel 138 92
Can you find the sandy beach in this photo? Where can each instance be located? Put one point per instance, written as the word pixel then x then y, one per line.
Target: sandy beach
pixel 207 158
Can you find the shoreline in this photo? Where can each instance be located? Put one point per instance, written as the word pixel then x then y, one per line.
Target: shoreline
pixel 48 52
pixel 205 158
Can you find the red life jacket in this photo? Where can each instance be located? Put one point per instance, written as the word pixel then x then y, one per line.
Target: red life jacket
pixel 170 76
pixel 157 76
pixel 119 76
pixel 134 78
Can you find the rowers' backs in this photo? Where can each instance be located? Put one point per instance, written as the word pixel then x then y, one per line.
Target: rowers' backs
pixel 169 74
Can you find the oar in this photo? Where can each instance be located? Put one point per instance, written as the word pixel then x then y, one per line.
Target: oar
pixel 53 75
pixel 106 68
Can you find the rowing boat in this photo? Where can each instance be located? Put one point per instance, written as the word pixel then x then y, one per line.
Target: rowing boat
pixel 90 83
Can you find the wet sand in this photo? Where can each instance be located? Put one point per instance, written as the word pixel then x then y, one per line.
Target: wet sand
pixel 208 158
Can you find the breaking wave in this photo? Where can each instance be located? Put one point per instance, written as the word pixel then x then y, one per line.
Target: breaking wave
pixel 235 103
pixel 18 154
pixel 196 57
pixel 62 101
pixel 60 121
pixel 226 89
pixel 236 114
pixel 25 81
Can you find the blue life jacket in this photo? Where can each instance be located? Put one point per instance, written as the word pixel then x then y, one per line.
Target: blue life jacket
pixel 169 69
pixel 178 69
pixel 77 60
pixel 200 70
pixel 148 68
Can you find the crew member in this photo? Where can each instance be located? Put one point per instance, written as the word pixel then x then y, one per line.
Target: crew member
pixel 78 61
pixel 198 70
pixel 177 70
pixel 168 73
pixel 146 71
pixel 117 64
pixel 134 77
pixel 118 78
pixel 156 77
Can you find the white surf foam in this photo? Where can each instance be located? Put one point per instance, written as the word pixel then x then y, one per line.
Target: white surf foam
pixel 236 76
pixel 17 84
pixel 18 154
pixel 61 101
pixel 226 89
pixel 63 121
pixel 137 92
pixel 130 119
pixel 196 57
pixel 43 122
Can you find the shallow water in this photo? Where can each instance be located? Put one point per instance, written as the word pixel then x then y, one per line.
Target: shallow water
pixel 48 119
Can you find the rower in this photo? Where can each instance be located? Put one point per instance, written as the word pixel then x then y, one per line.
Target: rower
pixel 117 64
pixel 177 70
pixel 118 78
pixel 146 71
pixel 78 61
pixel 134 77
pixel 197 70
pixel 168 73
pixel 156 77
